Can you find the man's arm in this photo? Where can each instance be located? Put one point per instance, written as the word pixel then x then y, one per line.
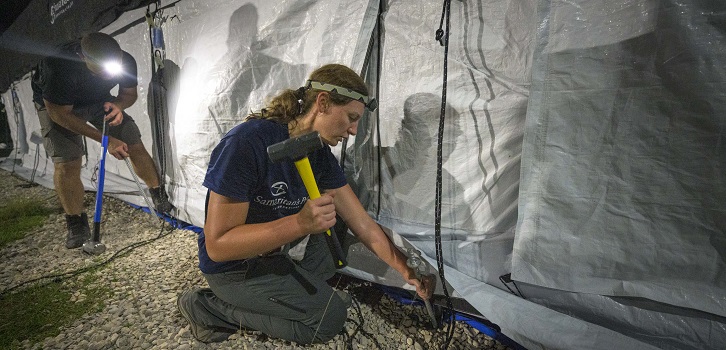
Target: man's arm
pixel 63 115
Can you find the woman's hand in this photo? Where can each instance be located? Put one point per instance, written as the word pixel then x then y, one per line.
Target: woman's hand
pixel 318 214
pixel 425 286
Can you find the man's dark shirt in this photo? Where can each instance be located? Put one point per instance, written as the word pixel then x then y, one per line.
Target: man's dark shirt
pixel 64 79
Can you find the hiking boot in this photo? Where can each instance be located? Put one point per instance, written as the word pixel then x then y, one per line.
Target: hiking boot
pixel 78 230
pixel 203 333
pixel 161 200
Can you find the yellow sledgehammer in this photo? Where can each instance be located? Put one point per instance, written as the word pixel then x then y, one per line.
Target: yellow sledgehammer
pixel 297 149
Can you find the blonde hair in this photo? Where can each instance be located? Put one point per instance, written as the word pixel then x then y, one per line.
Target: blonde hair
pixel 286 107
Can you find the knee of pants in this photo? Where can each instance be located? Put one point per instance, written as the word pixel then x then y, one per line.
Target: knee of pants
pixel 333 320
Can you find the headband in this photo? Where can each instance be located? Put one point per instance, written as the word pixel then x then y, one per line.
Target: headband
pixel 370 103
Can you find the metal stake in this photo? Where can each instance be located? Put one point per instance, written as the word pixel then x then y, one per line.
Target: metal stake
pixel 417 264
pixel 141 190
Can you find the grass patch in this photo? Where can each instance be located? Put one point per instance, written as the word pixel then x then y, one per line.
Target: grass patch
pixel 40 311
pixel 19 217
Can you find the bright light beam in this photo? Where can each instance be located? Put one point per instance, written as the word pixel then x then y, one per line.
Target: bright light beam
pixel 112 68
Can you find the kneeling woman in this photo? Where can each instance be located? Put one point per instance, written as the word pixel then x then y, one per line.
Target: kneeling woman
pixel 259 215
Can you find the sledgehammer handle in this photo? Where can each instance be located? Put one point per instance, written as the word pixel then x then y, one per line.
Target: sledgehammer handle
pixel 306 173
pixel 99 192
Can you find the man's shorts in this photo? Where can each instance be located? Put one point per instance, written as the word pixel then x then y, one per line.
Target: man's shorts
pixel 64 145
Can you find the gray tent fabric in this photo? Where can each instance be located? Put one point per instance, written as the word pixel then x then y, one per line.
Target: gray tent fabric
pixel 623 184
pixel 482 134
pixel 583 146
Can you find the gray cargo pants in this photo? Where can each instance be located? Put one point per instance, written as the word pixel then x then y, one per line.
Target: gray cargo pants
pixel 278 296
pixel 63 145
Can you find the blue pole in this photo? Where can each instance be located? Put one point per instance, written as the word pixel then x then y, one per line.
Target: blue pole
pixel 99 192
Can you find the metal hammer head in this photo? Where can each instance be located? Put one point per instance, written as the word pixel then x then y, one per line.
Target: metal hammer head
pixel 296 148
pixel 93 247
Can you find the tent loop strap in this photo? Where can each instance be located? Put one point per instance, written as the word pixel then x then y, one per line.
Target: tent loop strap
pixel 155 19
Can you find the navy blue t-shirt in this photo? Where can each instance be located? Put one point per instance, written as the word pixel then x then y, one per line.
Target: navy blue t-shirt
pixel 64 79
pixel 240 169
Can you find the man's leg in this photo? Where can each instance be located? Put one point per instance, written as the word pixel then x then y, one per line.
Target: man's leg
pixel 143 165
pixel 141 161
pixel 68 185
pixel 66 150
pixel 145 168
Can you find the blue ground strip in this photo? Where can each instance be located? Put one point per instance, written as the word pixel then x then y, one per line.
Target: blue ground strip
pixel 174 222
pixel 483 326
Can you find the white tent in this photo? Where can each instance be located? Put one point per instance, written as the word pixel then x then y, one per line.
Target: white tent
pixel 584 146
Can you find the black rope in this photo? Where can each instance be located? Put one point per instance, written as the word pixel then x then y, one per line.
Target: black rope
pixel 359 324
pixel 57 278
pixel 381 8
pixel 358 328
pixel 443 38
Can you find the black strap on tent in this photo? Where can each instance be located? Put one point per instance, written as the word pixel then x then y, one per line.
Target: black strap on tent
pixel 443 38
pixel 158 90
pixel 16 114
pixel 6 137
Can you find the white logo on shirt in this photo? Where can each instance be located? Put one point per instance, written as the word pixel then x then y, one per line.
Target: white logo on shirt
pixel 58 8
pixel 278 188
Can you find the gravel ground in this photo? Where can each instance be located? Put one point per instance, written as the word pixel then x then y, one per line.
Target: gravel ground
pixel 140 312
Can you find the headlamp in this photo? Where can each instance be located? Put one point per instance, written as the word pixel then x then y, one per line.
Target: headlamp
pixel 112 68
pixel 370 103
